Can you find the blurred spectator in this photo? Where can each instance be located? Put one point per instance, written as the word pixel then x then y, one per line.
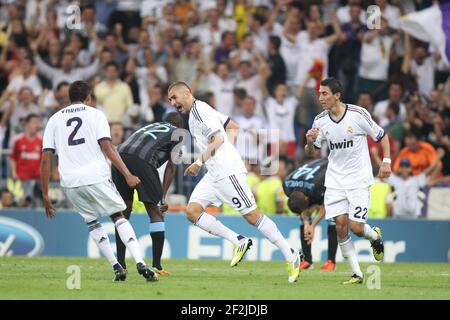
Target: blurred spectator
pixel 26 150
pixel 117 133
pixel 408 198
pixel 246 51
pixel 395 126
pixel 7 199
pixel 222 84
pixel 26 78
pixel 381 199
pixel 23 105
pixel 344 13
pixel 349 51
pixel 252 83
pixel 148 75
pixel 280 110
pixel 277 68
pixel 396 96
pixel 375 58
pixel 57 99
pixel 420 154
pixel 249 142
pixel 222 53
pixel 290 47
pixel 208 33
pixel 365 100
pixel 67 72
pixel 25 159
pixel 442 131
pixel 113 94
pixel 269 194
pixel 421 66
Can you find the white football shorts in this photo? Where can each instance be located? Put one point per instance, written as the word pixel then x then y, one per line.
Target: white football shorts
pixel 354 202
pixel 93 201
pixel 232 190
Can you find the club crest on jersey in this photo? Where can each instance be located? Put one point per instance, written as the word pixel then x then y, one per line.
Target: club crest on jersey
pixel 349 129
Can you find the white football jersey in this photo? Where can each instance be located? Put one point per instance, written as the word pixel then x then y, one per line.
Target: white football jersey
pixel 349 164
pixel 74 133
pixel 205 122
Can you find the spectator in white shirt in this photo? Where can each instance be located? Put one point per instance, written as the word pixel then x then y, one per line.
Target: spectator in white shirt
pixel 375 59
pixel 26 78
pixel 252 83
pixel 221 83
pixel 280 110
pixel 421 65
pixel 395 95
pixel 408 196
pixel 250 132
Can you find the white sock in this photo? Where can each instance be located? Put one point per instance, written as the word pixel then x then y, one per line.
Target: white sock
pixel 369 233
pixel 270 230
pixel 348 251
pixel 101 238
pixel 210 224
pixel 128 237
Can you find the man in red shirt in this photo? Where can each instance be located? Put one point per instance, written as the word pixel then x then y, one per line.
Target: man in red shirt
pixel 26 154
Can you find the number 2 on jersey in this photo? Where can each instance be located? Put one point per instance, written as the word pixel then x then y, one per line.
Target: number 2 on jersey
pixel 71 140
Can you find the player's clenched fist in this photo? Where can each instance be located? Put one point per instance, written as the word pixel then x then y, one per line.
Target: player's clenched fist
pixel 312 134
pixel 133 181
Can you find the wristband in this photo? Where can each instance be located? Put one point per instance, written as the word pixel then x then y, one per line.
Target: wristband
pixel 387 160
pixel 198 162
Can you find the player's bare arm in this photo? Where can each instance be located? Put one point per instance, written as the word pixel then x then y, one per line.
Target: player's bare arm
pixel 232 130
pixel 311 137
pixel 110 151
pixel 309 231
pixel 169 173
pixel 45 178
pixel 385 168
pixel 214 144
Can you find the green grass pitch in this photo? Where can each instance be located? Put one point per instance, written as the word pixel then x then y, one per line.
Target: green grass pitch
pixel 46 277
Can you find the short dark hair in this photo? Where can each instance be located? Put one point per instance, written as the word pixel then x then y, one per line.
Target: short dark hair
pixel 62 84
pixel 179 84
pixel 395 107
pixel 79 91
pixel 112 64
pixel 174 118
pixel 275 41
pixel 31 116
pixel 332 83
pixel 298 202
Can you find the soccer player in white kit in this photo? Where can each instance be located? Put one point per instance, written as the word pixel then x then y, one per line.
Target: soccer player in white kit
pixel 225 181
pixel 81 137
pixel 349 174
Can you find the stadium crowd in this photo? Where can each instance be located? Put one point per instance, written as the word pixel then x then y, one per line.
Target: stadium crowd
pixel 258 61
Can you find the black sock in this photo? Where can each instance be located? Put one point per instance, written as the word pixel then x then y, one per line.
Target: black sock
pixel 157 247
pixel 121 250
pixel 306 247
pixel 332 243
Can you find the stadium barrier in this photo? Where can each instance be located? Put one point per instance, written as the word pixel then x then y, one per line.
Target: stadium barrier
pixel 27 232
